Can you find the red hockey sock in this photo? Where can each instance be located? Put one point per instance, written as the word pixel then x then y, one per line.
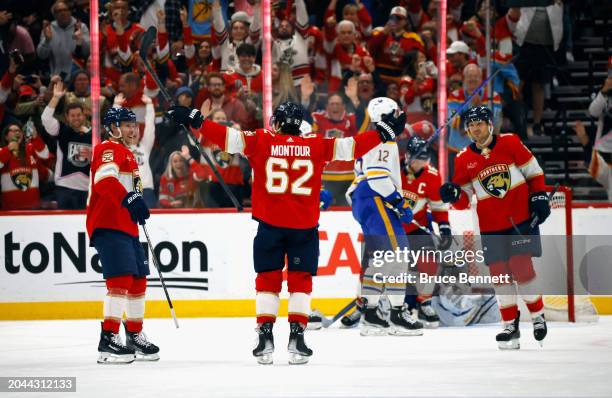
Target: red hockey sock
pixel 115 301
pixel 136 305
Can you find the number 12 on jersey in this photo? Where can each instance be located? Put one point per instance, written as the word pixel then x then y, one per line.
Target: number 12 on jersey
pixel 277 178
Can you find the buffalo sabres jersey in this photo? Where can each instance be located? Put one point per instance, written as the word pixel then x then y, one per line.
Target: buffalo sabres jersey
pixel 287 169
pixel 379 170
pixel 502 176
pixel 422 191
pixel 114 173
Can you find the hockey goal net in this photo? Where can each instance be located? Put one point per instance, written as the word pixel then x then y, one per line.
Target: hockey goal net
pixel 576 304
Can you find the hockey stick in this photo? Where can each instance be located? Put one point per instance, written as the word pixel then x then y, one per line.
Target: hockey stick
pixel 161 278
pixel 326 322
pixel 145 44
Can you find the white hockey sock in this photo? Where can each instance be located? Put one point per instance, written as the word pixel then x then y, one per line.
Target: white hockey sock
pixel 534 302
pixel 396 298
pixel 266 305
pixel 114 306
pixel 506 296
pixel 299 306
pixel 134 311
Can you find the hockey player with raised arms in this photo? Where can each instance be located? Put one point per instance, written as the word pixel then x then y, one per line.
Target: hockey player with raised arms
pixel 115 207
pixel 380 209
pixel 286 197
pixel 421 188
pixel 509 186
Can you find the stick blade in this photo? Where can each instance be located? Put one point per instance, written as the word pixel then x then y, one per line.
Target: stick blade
pixel 147 40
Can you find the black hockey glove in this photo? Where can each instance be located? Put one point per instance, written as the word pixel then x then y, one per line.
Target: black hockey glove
pixel 446 236
pixel 450 192
pixel 539 206
pixel 185 116
pixel 390 126
pixel 135 204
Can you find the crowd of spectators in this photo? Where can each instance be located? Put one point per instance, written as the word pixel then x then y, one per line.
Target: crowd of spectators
pixel 331 57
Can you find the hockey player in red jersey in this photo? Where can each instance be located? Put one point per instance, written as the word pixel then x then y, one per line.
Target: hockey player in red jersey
pixel 509 185
pixel 286 198
pixel 115 206
pixel 421 184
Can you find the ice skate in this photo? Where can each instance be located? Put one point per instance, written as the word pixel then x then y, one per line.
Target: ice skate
pixel 427 315
pixel 315 320
pixel 373 324
pixel 299 353
pixel 508 339
pixel 144 349
pixel 539 329
pixel 403 324
pixel 265 344
pixel 111 349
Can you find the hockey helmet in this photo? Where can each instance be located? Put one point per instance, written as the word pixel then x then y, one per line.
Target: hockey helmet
pixel 381 106
pixel 477 114
pixel 288 116
pixel 416 149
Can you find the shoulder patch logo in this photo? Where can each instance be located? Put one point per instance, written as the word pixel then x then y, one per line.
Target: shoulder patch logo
pixel 108 156
pixel 496 180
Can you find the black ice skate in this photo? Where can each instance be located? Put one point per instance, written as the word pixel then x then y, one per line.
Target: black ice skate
pixel 373 323
pixel 145 350
pixel 299 353
pixel 427 315
pixel 265 344
pixel 403 324
pixel 539 329
pixel 508 339
pixel 112 351
pixel 315 321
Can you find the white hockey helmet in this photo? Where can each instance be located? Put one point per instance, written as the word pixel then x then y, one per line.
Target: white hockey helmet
pixel 381 106
pixel 305 128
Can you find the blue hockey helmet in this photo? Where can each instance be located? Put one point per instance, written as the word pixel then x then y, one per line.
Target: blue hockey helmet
pixel 416 149
pixel 289 117
pixel 114 116
pixel 477 113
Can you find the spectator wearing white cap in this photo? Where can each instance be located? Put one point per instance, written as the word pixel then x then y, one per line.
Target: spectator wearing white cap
pixel 459 56
pixel 392 46
pixel 226 42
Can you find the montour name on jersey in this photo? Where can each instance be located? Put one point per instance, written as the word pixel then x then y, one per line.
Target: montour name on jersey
pixel 290 150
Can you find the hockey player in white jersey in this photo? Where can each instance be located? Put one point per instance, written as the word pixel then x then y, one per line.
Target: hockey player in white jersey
pixel 380 209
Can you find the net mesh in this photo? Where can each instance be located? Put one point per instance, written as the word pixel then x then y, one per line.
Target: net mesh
pixel 556 307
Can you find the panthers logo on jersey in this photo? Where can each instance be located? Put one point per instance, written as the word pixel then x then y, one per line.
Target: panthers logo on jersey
pixel 412 198
pixel 496 180
pixel 22 178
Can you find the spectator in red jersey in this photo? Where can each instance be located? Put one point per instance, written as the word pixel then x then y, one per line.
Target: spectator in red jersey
pixel 416 95
pixel 21 169
pixel 337 123
pixel 392 45
pixel 198 61
pixel 178 187
pixel 130 86
pixel 120 40
pixel 229 166
pixel 345 53
pixel 220 99
pixel 247 71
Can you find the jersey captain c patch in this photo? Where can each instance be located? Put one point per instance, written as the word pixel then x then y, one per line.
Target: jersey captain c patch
pixel 496 180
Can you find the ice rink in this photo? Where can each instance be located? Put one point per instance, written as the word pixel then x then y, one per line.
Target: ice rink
pixel 211 358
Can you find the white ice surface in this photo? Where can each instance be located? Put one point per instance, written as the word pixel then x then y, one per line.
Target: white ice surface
pixel 212 358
